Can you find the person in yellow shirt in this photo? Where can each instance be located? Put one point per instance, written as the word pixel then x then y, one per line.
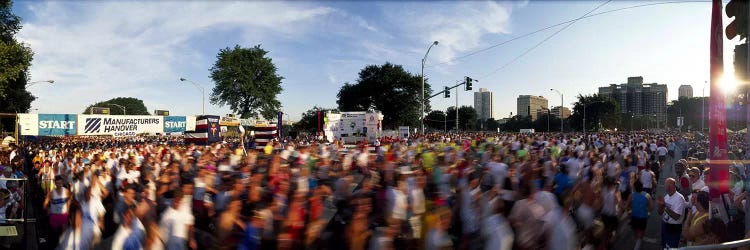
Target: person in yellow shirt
pixel 268 149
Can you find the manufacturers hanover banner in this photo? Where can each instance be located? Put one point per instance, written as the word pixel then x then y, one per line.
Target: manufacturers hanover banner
pixel 130 125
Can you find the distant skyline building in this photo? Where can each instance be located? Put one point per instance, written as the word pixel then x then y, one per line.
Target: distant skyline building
pixel 531 106
pixel 686 91
pixel 484 104
pixel 565 112
pixel 638 98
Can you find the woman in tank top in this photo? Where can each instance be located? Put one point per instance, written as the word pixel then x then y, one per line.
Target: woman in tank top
pixel 639 203
pixel 57 203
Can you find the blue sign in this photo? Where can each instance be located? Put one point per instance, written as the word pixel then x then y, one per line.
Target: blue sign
pixel 57 124
pixel 175 124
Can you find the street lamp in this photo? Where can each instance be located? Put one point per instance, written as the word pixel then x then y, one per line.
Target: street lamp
pixel 584 113
pixel 560 112
pixel 548 114
pixel 703 107
pixel 47 81
pixel 119 106
pixel 203 92
pixel 424 59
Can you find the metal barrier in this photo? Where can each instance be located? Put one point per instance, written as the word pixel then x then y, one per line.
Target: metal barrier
pixel 726 245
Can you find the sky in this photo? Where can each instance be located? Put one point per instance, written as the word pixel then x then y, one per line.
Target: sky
pixel 98 50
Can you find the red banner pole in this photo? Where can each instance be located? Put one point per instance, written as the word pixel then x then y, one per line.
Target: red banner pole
pixel 717 129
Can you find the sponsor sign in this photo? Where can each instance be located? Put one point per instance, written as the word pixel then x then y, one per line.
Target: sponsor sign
pixel 28 124
pixel 403 131
pixel 129 125
pixel 54 124
pixel 353 115
pixel 175 124
pixel 229 121
pixel 247 122
pixel 372 119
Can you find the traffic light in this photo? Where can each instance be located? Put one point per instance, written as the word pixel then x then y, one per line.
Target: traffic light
pixel 739 10
pixel 447 92
pixel 740 62
pixel 468 83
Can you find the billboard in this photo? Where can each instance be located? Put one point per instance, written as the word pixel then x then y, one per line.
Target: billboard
pixel 161 112
pixel 28 124
pixel 99 110
pixel 175 124
pixel 56 124
pixel 125 125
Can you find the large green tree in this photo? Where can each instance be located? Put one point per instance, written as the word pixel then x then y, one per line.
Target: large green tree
pixel 467 118
pixel 547 123
pixel 133 106
pixel 15 60
pixel 600 110
pixel 690 108
pixel 516 123
pixel 436 120
pixel 387 88
pixel 309 121
pixel 246 80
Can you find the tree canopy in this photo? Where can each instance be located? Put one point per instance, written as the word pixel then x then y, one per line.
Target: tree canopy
pixel 133 106
pixel 15 60
pixel 387 88
pixel 309 120
pixel 690 108
pixel 467 118
pixel 246 80
pixel 599 109
pixel 436 120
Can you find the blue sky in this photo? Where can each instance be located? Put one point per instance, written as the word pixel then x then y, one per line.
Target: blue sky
pixel 97 50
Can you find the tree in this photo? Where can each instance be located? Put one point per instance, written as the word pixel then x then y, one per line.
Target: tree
pixel 599 110
pixel 690 108
pixel 15 59
pixel 309 121
pixel 246 81
pixel 467 118
pixel 133 106
pixel 437 120
pixel 516 123
pixel 387 88
pixel 546 123
pixel 491 124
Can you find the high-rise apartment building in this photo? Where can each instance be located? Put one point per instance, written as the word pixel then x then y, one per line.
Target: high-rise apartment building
pixel 565 112
pixel 686 91
pixel 483 104
pixel 531 106
pixel 639 98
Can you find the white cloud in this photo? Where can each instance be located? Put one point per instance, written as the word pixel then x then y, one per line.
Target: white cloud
pixel 458 27
pixel 99 50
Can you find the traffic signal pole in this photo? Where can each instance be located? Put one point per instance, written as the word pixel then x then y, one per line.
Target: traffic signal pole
pixel 747 114
pixel 446 93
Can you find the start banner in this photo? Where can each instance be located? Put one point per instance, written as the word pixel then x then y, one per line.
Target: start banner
pixel 175 124
pixel 56 124
pixel 125 125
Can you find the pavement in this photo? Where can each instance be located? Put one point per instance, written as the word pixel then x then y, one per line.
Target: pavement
pixel 652 237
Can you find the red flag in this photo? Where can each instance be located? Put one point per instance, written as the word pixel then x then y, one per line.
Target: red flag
pixel 717 129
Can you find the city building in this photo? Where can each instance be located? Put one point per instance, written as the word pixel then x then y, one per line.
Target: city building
pixel 483 104
pixel 530 106
pixel 638 98
pixel 565 112
pixel 686 91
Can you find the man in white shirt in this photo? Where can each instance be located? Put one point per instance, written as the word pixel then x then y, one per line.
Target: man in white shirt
pixel 176 225
pixel 672 207
pixel 661 151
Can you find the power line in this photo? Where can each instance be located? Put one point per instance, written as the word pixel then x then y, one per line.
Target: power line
pixel 559 24
pixel 544 40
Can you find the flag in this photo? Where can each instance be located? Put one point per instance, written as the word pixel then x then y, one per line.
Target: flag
pixel 717 129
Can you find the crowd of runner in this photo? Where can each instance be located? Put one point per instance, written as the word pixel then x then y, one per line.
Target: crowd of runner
pixel 436 191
